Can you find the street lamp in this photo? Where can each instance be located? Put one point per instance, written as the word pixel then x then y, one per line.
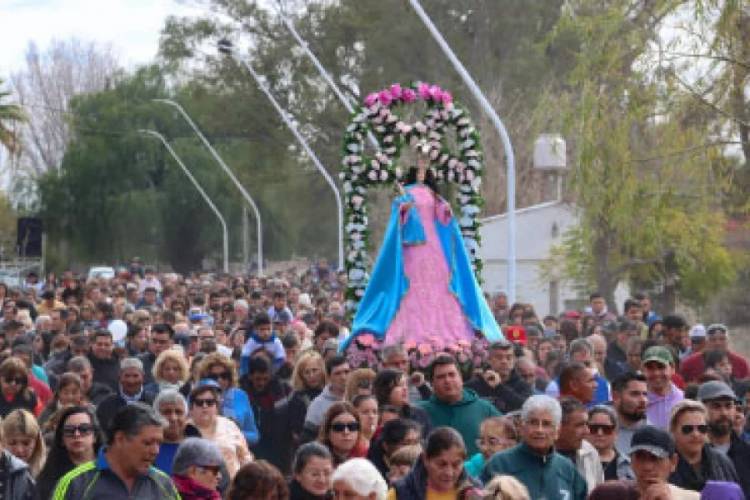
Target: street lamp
pixel 504 137
pixel 225 232
pixel 225 47
pixel 229 172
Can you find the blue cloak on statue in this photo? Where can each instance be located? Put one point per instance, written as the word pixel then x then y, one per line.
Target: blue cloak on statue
pixel 388 283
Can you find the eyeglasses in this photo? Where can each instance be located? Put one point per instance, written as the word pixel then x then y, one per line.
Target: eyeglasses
pixel 204 403
pixel 494 442
pixel 82 429
pixel 341 427
pixel 222 375
pixel 15 380
pixel 688 429
pixel 601 429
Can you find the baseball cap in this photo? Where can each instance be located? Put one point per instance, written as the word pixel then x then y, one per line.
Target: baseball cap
pixel 658 353
pixel 715 389
pixel 203 384
pixel 698 331
pixel 516 334
pixel 717 327
pixel 653 440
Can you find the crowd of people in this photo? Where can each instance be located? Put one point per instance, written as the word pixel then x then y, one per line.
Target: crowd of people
pixel 161 386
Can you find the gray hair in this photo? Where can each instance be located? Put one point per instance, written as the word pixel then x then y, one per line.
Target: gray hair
pixel 130 419
pixel 579 345
pixel 131 363
pixel 79 364
pixel 542 402
pixel 392 350
pixel 306 452
pixel 242 303
pixel 605 409
pixel 172 397
pixel 196 451
pixel 362 477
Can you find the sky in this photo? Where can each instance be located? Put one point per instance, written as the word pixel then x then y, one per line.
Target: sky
pixel 131 26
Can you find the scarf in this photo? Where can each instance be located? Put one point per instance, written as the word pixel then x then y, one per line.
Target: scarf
pixel 189 489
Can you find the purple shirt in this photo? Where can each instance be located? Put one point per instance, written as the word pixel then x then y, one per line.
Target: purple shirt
pixel 660 407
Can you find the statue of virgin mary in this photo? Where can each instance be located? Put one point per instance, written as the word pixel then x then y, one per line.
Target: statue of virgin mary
pixel 422 289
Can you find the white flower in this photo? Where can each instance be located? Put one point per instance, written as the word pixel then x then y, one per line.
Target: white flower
pixel 434 154
pixel 353 147
pixel 383 175
pixel 347 187
pixel 463 122
pixel 374 164
pixel 474 164
pixel 469 174
pixel 356 274
pixel 372 175
pixel 397 171
pixel 451 175
pixel 359 292
pixel 443 159
pixel 357 200
pixel 421 128
pixel 358 245
pixel 467 144
pixel 452 163
pixel 476 184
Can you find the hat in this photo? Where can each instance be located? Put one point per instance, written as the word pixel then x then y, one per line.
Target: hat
pixel 715 389
pixel 698 331
pixel 203 384
pixel 516 334
pixel 572 315
pixel 714 327
pixel 658 353
pixel 653 440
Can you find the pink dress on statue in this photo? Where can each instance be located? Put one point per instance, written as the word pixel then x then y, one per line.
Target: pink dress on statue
pixel 429 313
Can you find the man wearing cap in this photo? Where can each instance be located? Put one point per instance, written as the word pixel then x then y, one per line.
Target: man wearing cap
pixel 697 336
pixel 653 458
pixel 717 339
pixel 719 400
pixel 658 366
pixel 501 384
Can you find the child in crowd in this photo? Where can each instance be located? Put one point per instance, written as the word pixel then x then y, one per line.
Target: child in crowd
pixel 495 434
pixel 401 462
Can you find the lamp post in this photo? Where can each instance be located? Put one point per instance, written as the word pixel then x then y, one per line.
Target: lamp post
pixel 225 232
pixel 225 47
pixel 504 137
pixel 220 161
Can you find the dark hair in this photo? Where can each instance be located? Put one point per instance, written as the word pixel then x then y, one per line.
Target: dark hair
pixel 713 358
pixel 101 332
pixel 261 319
pixel 258 479
pixel 258 364
pixel 570 405
pixel 336 409
pixel 333 362
pixel 629 303
pixel 306 452
pixel 394 431
pixel 429 178
pixel 442 439
pixel 278 294
pixel 620 382
pixel 290 339
pixel 326 327
pixel 130 419
pixel 384 382
pixel 443 359
pixel 501 346
pixel 58 461
pixel 569 373
pixel 163 328
pixel 595 295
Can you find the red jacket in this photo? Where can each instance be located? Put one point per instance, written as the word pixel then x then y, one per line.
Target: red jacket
pixel 693 367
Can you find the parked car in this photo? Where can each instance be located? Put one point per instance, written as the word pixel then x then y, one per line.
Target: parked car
pixel 106 272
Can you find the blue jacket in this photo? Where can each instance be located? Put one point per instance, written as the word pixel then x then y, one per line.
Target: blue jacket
pixel 236 406
pixel 545 476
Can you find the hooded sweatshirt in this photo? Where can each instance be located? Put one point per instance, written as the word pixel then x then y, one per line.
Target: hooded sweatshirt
pixel 464 415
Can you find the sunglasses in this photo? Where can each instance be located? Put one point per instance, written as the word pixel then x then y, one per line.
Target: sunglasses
pixel 341 427
pixel 601 429
pixel 213 469
pixel 688 429
pixel 204 403
pixel 15 380
pixel 222 375
pixel 82 429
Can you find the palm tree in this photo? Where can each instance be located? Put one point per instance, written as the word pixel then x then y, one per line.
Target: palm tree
pixel 9 113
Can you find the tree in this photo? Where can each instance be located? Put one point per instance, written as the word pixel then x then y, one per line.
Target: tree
pixel 10 113
pixel 645 173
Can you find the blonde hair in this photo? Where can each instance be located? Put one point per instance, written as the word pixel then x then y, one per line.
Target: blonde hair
pixel 685 406
pixel 506 488
pixel 406 455
pixel 304 359
pixel 171 355
pixel 21 423
pixel 216 358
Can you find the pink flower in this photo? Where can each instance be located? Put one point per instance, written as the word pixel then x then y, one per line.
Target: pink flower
pixel 385 97
pixel 436 93
pixel 424 91
pixel 371 99
pixel 396 91
pixel 408 95
pixel 366 339
pixel 447 98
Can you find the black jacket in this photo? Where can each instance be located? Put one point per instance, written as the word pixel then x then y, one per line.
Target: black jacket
pixel 739 454
pixel 19 484
pixel 507 396
pixel 107 408
pixel 714 467
pixel 148 359
pixel 414 485
pixel 297 492
pixel 106 371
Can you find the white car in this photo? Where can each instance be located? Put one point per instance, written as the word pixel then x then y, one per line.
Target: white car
pixel 106 272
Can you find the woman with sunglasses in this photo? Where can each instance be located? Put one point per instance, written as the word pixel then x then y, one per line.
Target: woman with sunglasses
pixel 340 432
pixel 77 440
pixel 196 470
pixel 14 380
pixel 235 403
pixel 602 436
pixel 205 401
pixel 698 461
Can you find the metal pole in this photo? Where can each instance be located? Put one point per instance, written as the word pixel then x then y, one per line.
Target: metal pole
pixel 326 76
pixel 225 47
pixel 225 233
pixel 229 172
pixel 507 146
